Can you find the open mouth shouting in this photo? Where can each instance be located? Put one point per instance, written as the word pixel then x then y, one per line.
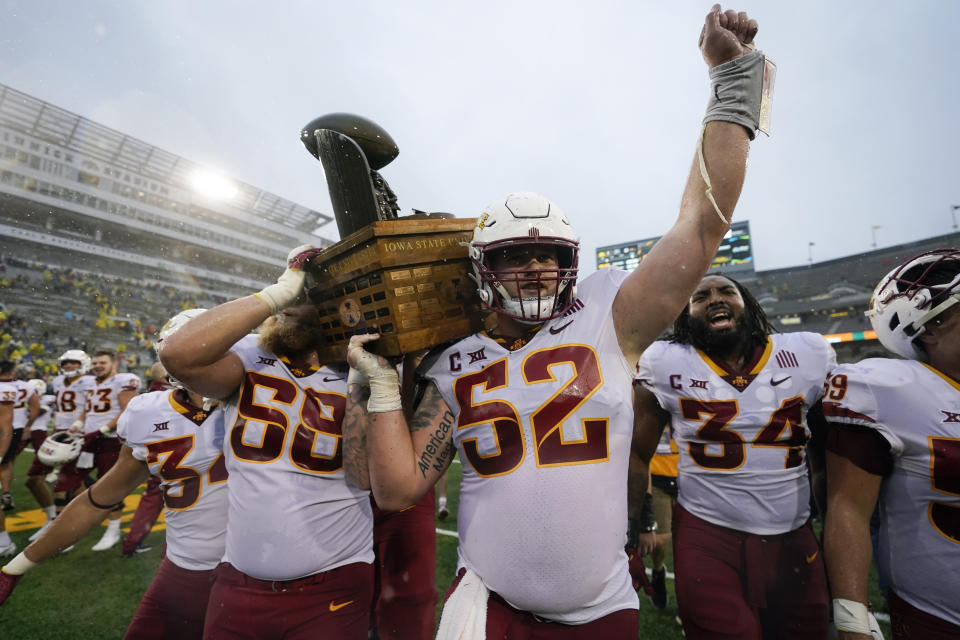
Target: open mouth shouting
pixel 720 319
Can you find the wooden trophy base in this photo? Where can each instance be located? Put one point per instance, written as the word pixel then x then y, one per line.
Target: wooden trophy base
pixel 405 279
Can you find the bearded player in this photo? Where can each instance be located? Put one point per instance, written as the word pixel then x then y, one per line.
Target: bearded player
pixel 539 406
pixel 746 560
pixel 102 408
pixel 70 389
pixel 176 436
pixel 299 540
pixel 895 441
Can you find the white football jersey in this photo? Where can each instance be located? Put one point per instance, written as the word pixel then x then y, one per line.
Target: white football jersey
pixel 71 396
pixel 20 409
pixel 917 410
pixel 103 400
pixel 291 511
pixel 741 435
pixel 46 413
pixel 544 434
pixel 183 446
pixel 8 393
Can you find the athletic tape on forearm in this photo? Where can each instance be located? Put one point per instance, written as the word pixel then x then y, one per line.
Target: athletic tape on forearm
pixel 285 292
pixel 851 616
pixel 736 91
pixel 384 391
pixel 19 565
pixel 357 377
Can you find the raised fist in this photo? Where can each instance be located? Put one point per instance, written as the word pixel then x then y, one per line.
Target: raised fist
pixel 725 34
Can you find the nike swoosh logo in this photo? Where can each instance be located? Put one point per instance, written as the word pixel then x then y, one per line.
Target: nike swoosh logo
pixel 774 383
pixel 556 330
pixel 810 558
pixel 326 379
pixel 336 607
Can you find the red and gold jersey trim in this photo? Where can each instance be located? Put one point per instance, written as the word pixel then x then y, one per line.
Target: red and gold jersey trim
pixel 953 383
pixel 299 369
pixel 740 380
pixel 182 405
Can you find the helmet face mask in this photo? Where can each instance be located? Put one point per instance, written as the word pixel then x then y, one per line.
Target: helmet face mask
pixel 78 356
pixel 912 295
pixel 525 221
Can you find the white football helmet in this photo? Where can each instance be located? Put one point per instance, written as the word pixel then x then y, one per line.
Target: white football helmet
pixel 59 448
pixel 521 219
pixel 39 385
pixel 75 355
pixel 911 295
pixel 172 326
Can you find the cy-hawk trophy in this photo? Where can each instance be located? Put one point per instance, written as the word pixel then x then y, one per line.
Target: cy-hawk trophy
pixel 404 277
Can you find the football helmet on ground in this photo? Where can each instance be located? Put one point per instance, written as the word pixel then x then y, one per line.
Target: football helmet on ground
pixel 912 295
pixel 524 220
pixel 59 448
pixel 75 355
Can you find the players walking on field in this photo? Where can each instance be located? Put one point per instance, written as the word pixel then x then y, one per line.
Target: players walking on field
pixel 176 436
pixel 895 441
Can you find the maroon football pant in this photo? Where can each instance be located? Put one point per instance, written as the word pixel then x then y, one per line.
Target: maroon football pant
pixel 910 623
pixel 174 606
pixel 732 584
pixel 37 468
pixel 148 510
pixel 506 623
pixel 105 451
pixel 331 605
pixel 405 595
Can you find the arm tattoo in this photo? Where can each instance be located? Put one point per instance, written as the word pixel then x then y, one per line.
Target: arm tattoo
pixel 354 431
pixel 433 413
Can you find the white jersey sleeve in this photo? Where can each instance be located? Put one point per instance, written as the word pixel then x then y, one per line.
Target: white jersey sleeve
pixel 544 434
pixel 292 513
pixel 741 435
pixel 916 409
pixel 183 446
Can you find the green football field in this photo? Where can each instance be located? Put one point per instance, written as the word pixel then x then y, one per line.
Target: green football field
pixel 86 595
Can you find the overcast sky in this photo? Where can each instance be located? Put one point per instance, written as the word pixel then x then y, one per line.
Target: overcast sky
pixel 596 105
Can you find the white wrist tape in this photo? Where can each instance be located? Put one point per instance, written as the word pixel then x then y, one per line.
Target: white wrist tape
pixel 289 286
pixel 77 424
pixel 383 379
pixel 357 377
pixel 286 291
pixel 19 565
pixel 851 616
pixel 384 391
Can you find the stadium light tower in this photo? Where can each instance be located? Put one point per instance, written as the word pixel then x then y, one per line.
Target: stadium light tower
pixel 953 213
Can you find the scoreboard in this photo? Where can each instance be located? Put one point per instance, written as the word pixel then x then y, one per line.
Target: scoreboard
pixel 734 255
